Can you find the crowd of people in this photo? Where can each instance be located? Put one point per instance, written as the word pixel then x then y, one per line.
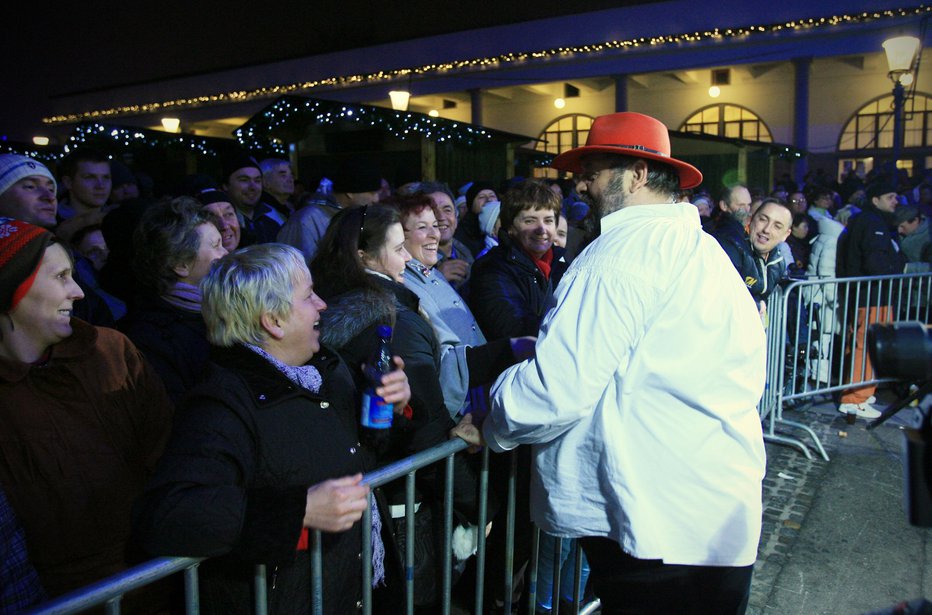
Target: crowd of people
pixel 183 375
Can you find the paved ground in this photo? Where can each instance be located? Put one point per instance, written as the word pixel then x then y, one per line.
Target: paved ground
pixel 835 537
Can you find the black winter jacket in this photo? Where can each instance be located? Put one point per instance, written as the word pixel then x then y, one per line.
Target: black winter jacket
pixel 509 295
pixel 868 247
pixel 233 481
pixel 173 340
pixel 760 275
pixel 349 325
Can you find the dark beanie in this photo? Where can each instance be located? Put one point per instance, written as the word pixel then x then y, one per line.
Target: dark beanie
pixel 213 196
pixel 120 174
pixel 475 189
pixel 236 162
pixel 357 174
pixel 879 189
pixel 22 246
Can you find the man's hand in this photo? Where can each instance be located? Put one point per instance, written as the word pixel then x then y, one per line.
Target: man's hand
pixel 395 388
pixel 468 432
pixel 335 505
pixel 453 269
pixel 523 347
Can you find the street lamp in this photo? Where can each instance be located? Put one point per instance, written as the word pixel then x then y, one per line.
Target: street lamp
pixel 901 52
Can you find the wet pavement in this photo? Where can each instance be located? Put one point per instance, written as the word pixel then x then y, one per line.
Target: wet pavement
pixel 835 537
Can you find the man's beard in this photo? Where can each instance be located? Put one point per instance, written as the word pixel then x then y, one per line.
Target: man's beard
pixel 613 198
pixel 742 216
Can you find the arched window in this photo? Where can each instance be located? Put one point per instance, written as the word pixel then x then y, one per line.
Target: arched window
pixel 871 127
pixel 561 135
pixel 726 120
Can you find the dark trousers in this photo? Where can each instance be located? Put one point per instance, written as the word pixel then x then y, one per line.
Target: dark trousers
pixel 627 585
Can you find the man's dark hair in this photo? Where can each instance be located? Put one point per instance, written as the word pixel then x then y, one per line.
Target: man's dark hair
pixel 729 190
pixel 661 177
pixel 69 165
pixel 816 192
pixel 432 187
pixel 775 201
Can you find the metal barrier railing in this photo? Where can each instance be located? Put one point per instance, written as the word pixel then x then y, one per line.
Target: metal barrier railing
pixel 814 344
pixel 109 592
pixel 810 332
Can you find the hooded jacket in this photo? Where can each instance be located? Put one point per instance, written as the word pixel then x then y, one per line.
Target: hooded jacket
pixel 349 326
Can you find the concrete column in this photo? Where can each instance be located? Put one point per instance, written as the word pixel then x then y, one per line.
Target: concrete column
pixel 621 92
pixel 801 68
pixel 475 102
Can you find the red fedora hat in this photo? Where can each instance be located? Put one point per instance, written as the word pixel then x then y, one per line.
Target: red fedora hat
pixel 629 134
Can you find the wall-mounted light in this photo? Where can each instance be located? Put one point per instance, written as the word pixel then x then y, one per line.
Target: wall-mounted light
pixel 433 113
pixel 559 103
pixel 400 99
pixel 715 91
pixel 40 140
pixel 171 124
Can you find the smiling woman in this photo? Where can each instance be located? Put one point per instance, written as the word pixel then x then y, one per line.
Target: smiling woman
pixel 267 447
pixel 512 284
pixel 175 246
pixel 82 416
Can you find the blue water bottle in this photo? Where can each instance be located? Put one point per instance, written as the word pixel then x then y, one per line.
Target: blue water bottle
pixel 376 412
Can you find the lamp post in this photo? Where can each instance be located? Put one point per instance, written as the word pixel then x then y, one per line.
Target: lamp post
pixel 901 51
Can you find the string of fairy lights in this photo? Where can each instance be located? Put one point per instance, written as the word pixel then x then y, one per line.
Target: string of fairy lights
pixel 94 134
pixel 492 62
pixel 258 133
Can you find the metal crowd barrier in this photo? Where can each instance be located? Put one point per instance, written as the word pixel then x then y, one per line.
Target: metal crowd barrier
pixel 109 592
pixel 814 344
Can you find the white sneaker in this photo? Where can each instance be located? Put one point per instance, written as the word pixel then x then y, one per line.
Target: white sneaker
pixel 871 400
pixel 863 410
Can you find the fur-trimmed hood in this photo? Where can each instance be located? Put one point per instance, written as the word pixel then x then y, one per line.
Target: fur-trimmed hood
pixel 351 313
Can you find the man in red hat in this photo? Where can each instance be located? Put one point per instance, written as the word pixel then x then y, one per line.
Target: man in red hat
pixel 641 401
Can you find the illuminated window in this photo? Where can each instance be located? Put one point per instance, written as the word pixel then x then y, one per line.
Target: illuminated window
pixel 726 120
pixel 563 134
pixel 871 127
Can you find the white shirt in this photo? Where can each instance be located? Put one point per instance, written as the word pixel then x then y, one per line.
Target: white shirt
pixel 642 398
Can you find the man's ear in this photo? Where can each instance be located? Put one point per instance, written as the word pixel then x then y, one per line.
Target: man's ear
pixel 272 325
pixel 639 172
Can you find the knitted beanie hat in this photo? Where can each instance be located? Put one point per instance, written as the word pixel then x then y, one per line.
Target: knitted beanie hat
pixel 22 246
pixel 234 163
pixel 14 167
pixel 488 216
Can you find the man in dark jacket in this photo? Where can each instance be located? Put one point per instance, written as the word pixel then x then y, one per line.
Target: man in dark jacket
pixel 867 247
pixel 734 210
pixel 754 254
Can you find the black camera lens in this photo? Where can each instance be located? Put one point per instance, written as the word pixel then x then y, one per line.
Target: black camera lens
pixel 901 350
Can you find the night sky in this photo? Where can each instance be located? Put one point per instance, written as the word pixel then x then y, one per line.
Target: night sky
pixel 65 48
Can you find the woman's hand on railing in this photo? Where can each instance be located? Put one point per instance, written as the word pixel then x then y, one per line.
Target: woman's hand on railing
pixel 335 505
pixel 395 388
pixel 469 433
